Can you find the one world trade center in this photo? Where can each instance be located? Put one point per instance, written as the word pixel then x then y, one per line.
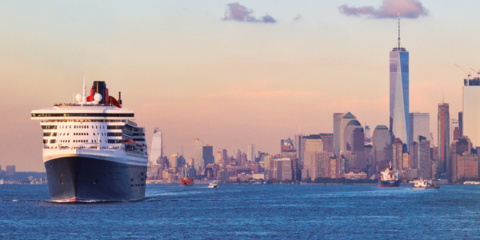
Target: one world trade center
pixel 399 92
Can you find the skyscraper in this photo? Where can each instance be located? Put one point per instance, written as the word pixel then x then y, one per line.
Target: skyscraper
pixel 198 154
pixel 207 154
pixel 251 153
pixel 156 151
pixel 382 145
pixel 453 125
pixel 343 124
pixel 419 126
pixel 399 92
pixel 337 118
pixel 443 136
pixel 354 139
pixel 397 160
pixel 471 111
pixel 460 123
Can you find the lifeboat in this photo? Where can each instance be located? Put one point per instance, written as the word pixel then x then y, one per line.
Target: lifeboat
pixel 186 181
pixel 129 141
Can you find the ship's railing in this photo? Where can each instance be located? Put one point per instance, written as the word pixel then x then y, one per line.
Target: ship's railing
pixel 82 105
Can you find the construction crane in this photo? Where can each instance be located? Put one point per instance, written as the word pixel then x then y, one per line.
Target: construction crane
pixel 468 74
pixel 477 72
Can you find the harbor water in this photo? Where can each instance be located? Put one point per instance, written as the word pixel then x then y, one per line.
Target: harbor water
pixel 248 212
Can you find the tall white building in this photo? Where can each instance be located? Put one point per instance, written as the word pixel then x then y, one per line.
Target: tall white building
pixel 198 160
pixel 471 110
pixel 156 151
pixel 251 152
pixel 419 126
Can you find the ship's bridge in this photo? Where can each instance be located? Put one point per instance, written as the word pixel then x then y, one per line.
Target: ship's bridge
pixel 79 112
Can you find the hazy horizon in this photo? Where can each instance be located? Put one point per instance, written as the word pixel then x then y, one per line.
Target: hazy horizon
pixel 195 71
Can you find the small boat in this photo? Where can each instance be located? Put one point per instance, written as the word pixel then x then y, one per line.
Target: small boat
pixel 213 184
pixel 471 183
pixel 425 184
pixel 186 181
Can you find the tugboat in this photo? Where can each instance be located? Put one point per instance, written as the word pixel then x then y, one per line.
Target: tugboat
pixel 425 184
pixel 186 181
pixel 213 184
pixel 389 178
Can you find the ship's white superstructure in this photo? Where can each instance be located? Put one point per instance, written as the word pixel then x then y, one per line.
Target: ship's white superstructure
pixel 97 142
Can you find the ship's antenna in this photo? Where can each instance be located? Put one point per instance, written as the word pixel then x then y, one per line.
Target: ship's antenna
pixel 84 96
pixel 398 31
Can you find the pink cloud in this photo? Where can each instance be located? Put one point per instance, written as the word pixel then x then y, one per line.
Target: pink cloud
pixel 388 9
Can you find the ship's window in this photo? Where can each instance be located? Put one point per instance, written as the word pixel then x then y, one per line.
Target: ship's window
pixel 52 140
pixel 110 134
pixel 68 134
pixel 45 140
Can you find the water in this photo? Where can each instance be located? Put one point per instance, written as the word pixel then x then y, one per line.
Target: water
pixel 248 212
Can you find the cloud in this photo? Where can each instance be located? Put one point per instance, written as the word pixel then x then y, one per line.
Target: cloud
pixel 237 12
pixel 298 17
pixel 388 9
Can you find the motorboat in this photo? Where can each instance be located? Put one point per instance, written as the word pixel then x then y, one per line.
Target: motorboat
pixel 213 184
pixel 425 184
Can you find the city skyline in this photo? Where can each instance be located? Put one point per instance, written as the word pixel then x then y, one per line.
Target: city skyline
pixel 281 83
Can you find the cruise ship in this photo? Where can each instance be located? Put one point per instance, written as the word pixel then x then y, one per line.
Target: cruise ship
pixel 92 149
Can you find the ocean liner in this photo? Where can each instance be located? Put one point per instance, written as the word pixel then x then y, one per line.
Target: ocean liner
pixel 92 149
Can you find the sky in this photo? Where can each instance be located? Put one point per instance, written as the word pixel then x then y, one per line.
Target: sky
pixel 231 73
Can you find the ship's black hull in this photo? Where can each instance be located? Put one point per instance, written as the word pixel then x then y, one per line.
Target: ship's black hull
pixel 84 179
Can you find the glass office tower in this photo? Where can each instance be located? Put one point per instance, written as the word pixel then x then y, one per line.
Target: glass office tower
pixel 399 92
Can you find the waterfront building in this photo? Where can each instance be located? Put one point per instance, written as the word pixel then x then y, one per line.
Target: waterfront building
pixel 156 151
pixel 239 158
pixel 343 124
pixel 251 153
pixel 443 136
pixel 219 157
pixel 419 125
pixel 286 144
pixel 300 143
pixel 349 159
pixel 368 136
pixel 399 92
pixel 174 161
pixel 405 160
pixel 321 164
pixel 354 141
pixel 453 126
pixel 281 169
pixel 337 118
pixel 456 134
pixel 198 154
pixel 382 146
pixel 244 159
pixel 207 154
pixel 460 123
pixel 462 163
pixel 424 162
pixel 471 110
pixel 312 144
pixel 10 171
pixel 327 140
pixel 397 149
pixel 413 155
